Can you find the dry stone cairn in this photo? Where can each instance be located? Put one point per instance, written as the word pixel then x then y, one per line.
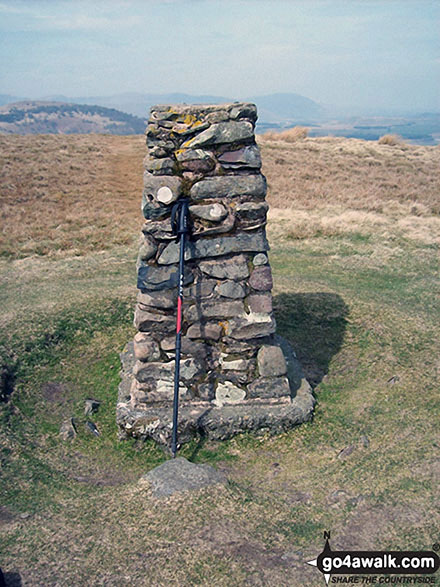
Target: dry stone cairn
pixel 236 373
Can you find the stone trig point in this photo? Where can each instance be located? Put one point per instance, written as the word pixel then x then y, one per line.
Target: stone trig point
pixel 236 373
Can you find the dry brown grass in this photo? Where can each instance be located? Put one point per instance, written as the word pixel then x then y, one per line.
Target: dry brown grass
pixel 73 193
pixel 331 186
pixel 290 135
pixel 70 195
pixel 391 140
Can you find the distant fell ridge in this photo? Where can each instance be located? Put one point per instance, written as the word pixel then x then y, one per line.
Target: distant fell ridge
pixel 64 118
pixel 280 108
pixel 287 108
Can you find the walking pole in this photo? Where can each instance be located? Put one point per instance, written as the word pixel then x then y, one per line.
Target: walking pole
pixel 181 228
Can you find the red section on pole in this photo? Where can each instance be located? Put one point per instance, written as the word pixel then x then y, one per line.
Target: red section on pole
pixel 179 314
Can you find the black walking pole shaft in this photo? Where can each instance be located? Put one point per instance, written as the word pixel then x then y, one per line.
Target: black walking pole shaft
pixel 181 228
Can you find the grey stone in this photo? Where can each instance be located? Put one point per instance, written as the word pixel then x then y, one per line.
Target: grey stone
pixel 188 347
pixel 151 278
pixel 162 166
pixel 298 383
pixel 252 211
pixel 179 475
pixel 91 428
pixel 346 452
pixel 222 132
pixel 365 441
pixel 196 160
pixel 260 303
pixel 244 157
pixel 127 358
pixel 145 347
pixel 271 361
pixel 235 267
pixel 205 330
pixel 251 326
pixel 164 391
pixel 159 229
pixel 160 151
pixel 68 429
pixel 215 247
pixel 151 209
pixel 261 278
pixel 230 289
pixel 229 186
pixel 147 321
pixel 155 372
pixel 183 129
pixel 228 393
pixel 220 228
pixel 219 116
pixel 260 259
pixel 152 184
pixel 91 406
pixel 148 248
pixel 267 387
pixel 214 212
pixel 231 364
pixel 248 347
pixel 243 110
pixel 203 288
pixel 218 309
pixel 206 391
pixel 165 299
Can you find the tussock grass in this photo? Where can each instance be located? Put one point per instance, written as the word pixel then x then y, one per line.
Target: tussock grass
pixel 68 194
pixel 290 135
pixel 391 140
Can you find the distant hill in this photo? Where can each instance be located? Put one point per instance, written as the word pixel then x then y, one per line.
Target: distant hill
pixel 8 99
pixel 278 108
pixel 288 108
pixel 64 118
pixel 139 104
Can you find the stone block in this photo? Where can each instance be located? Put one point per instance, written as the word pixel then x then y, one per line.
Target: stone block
pixel 230 289
pixel 244 157
pixel 236 268
pixel 215 247
pixel 197 160
pixel 251 211
pixel 261 278
pixel 269 387
pixel 213 309
pixel 146 321
pixel 228 393
pixel 271 361
pixel 165 299
pixel 214 212
pixel 153 278
pixel 251 326
pixel 205 330
pixel 222 132
pixel 229 186
pixel 145 347
pixel 203 288
pixel 260 303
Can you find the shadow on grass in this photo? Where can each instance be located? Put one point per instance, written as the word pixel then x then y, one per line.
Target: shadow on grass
pixel 11 580
pixel 314 323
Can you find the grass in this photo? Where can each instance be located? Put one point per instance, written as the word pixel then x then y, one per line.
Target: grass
pixel 358 301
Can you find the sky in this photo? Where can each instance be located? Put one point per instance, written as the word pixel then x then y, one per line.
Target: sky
pixel 354 54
